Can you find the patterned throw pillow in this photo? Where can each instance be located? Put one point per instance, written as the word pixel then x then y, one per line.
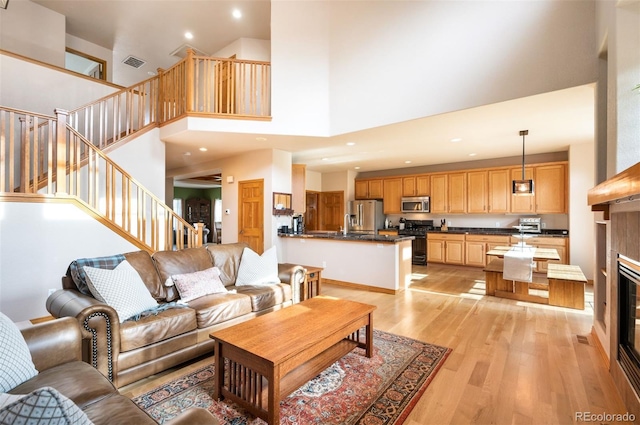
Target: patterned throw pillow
pixel 16 365
pixel 122 288
pixel 44 406
pixel 198 284
pixel 258 269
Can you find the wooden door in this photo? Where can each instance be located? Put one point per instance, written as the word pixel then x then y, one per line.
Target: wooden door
pixel 226 86
pixel 550 186
pixel 477 182
pixel 311 213
pixel 457 192
pixel 331 210
pixel 499 192
pixel 439 201
pixel 392 199
pixel 251 214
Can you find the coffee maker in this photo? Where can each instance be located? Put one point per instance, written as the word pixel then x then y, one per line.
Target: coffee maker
pixel 297 225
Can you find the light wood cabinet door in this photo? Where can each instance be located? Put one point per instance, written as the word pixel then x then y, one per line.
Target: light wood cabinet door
pixel 499 192
pixel 550 186
pixel 362 189
pixel 519 203
pixel 369 189
pixel 439 201
pixel 298 180
pixel 409 186
pixel 423 185
pixel 477 182
pixel 392 200
pixel 475 253
pixel 457 192
pixel 435 251
pixel 454 252
pixel 375 189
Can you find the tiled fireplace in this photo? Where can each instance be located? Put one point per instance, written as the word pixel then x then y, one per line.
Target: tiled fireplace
pixel 619 199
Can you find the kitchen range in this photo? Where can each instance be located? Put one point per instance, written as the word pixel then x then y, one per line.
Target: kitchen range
pixel 418 229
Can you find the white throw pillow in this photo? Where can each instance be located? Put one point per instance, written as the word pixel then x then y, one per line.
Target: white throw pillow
pixel 16 365
pixel 44 406
pixel 198 284
pixel 122 288
pixel 257 269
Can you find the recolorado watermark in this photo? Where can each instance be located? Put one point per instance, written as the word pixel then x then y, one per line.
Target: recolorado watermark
pixel 604 417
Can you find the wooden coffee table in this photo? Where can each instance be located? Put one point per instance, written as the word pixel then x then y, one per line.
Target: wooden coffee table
pixel 262 360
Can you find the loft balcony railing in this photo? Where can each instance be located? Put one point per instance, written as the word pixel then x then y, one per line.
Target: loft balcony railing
pixel 196 86
pixel 43 158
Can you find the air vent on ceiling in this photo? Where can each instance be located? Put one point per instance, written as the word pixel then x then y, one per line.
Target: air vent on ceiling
pixel 133 61
pixel 181 51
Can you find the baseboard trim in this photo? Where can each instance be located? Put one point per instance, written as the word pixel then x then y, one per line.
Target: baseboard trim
pixel 600 348
pixel 358 286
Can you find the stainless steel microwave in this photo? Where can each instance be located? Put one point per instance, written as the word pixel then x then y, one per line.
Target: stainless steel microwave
pixel 415 204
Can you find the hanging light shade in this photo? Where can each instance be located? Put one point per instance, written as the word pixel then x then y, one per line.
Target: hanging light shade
pixel 522 187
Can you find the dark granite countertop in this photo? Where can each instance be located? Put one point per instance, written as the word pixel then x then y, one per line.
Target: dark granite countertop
pixel 348 237
pixel 547 233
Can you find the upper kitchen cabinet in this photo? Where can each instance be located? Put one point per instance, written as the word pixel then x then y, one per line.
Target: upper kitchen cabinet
pixel 523 204
pixel 499 193
pixel 416 185
pixel 298 182
pixel 457 191
pixel 477 188
pixel 550 186
pixel 439 197
pixel 369 189
pixel 392 199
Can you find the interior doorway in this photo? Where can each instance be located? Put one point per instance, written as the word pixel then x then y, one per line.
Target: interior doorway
pixel 251 214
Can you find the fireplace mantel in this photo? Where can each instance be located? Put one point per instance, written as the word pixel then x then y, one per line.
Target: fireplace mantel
pixel 622 187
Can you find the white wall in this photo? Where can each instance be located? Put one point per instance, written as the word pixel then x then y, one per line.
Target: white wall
pixel 94 50
pixel 247 48
pixel 313 181
pixel 581 229
pixel 37 243
pixel 33 31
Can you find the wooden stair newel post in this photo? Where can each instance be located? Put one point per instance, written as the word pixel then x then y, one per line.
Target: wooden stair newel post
pixel 61 151
pixel 199 235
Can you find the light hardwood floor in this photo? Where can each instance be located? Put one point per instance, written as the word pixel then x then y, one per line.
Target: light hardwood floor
pixel 512 362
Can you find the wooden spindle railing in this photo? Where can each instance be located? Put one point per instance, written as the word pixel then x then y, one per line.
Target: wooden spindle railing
pixel 41 155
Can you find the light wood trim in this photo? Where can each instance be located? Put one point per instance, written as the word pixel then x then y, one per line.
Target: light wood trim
pixel 600 348
pixel 359 286
pixel 621 187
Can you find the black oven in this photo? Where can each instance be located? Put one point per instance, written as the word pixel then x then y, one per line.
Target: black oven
pixel 418 229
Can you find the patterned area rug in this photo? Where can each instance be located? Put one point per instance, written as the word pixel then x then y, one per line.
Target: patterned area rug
pixel 354 390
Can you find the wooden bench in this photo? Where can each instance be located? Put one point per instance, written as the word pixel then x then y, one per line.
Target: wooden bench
pixel 566 285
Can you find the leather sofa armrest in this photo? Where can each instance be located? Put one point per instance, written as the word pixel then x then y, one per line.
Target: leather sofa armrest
pixel 295 276
pixel 54 342
pixel 194 416
pixel 99 325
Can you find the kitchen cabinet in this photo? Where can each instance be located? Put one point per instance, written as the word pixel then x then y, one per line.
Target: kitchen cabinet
pixel 298 197
pixel 392 199
pixel 550 186
pixel 477 246
pixel 457 192
pixel 423 185
pixel 439 199
pixel 369 189
pixel 559 244
pixel 416 185
pixel 388 232
pixel 477 188
pixel 445 248
pixel 499 192
pixel 409 186
pixel 523 204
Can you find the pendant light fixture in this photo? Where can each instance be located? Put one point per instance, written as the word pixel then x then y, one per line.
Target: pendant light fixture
pixel 522 187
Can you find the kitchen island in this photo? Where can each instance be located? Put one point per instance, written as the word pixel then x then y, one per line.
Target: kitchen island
pixel 373 262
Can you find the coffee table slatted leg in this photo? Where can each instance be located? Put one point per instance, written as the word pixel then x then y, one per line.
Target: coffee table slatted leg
pixel 369 328
pixel 219 372
pixel 274 396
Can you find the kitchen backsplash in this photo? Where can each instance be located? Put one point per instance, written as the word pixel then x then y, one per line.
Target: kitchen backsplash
pixel 549 221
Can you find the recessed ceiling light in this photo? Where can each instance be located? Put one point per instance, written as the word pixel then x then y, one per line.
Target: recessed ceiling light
pixel 261 139
pixel 472 154
pixel 188 35
pixel 151 73
pixel 186 153
pixel 357 168
pixel 407 162
pixel 325 159
pixel 236 13
pixel 203 149
pixel 351 143
pixel 456 140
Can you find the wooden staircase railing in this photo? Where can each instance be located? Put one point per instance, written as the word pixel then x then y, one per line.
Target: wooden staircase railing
pixel 43 157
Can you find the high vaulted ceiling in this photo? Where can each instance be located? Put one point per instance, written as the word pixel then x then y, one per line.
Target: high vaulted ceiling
pixel 151 30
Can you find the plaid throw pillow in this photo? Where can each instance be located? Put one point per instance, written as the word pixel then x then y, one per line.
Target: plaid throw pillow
pixel 77 273
pixel 44 406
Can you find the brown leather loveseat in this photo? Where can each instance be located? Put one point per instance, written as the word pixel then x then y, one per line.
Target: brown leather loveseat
pixel 132 350
pixel 56 351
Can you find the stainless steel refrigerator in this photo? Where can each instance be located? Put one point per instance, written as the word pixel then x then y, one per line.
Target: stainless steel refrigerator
pixel 365 216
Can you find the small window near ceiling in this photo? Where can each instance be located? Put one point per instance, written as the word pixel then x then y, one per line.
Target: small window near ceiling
pixel 85 64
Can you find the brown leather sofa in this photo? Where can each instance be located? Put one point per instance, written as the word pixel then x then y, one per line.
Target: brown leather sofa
pixel 56 350
pixel 129 351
